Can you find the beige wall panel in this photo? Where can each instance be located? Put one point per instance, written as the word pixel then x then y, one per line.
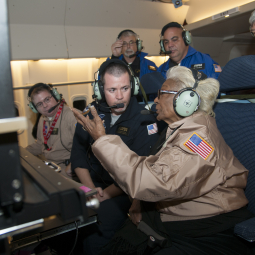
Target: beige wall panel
pixel 37 29
pixel 37 42
pixel 48 71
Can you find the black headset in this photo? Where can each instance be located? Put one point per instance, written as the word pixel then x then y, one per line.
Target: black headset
pixel 187 100
pixel 47 87
pixel 186 35
pixel 98 87
pixel 138 41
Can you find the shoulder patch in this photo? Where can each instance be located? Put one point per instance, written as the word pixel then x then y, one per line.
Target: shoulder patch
pixel 197 144
pixel 217 68
pixel 152 68
pixel 152 129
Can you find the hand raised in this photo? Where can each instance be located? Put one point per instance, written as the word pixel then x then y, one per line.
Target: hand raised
pixel 94 127
pixel 117 48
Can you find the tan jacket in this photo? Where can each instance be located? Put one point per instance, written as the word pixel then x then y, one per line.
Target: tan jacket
pixel 183 184
pixel 58 153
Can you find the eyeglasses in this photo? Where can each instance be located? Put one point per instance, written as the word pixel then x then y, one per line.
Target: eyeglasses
pixel 46 101
pixel 162 91
pixel 125 44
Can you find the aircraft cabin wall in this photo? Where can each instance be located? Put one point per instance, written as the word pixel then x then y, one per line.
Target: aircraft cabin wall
pixel 79 33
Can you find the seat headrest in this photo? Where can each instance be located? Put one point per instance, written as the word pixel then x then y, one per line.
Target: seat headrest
pixel 152 82
pixel 238 74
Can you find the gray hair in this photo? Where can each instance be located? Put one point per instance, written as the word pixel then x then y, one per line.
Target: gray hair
pixel 129 33
pixel 207 89
pixel 252 18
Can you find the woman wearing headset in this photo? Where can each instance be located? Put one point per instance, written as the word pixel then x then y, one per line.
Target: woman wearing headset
pixel 192 181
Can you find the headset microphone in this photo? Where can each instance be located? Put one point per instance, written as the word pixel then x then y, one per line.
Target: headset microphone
pixel 133 55
pixel 114 106
pixel 54 107
pixel 168 52
pixel 147 112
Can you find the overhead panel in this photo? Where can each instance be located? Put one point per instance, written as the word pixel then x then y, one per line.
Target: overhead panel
pixel 37 29
pixel 42 29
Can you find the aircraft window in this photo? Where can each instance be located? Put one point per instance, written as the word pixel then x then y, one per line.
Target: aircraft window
pixel 80 103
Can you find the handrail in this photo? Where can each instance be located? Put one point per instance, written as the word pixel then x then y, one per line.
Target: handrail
pixel 28 86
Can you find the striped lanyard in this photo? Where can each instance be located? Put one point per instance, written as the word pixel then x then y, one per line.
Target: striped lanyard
pixel 47 136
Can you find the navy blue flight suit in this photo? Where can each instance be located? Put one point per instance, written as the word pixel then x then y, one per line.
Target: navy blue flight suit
pixel 132 128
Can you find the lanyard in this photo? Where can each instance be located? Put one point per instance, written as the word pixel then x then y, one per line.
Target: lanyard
pixel 47 136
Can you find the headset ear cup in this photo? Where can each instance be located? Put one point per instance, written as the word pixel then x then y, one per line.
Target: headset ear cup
pixel 96 90
pixel 101 89
pixel 32 107
pixel 135 86
pixel 139 44
pixel 187 102
pixel 186 37
pixel 162 46
pixel 55 94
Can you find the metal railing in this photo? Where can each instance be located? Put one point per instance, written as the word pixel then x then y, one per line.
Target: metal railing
pixel 28 86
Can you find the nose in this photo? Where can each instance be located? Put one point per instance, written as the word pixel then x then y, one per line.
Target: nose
pixel 119 94
pixel 156 100
pixel 44 104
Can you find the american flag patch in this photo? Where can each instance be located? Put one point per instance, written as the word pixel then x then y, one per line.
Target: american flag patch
pixel 197 144
pixel 217 68
pixel 152 129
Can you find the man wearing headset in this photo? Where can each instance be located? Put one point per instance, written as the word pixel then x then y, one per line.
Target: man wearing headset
pixel 252 23
pixel 128 48
pixel 56 126
pixel 175 42
pixel 139 132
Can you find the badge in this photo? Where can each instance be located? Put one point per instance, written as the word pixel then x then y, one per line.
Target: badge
pixel 217 68
pixel 152 68
pixel 54 131
pixel 123 130
pixel 152 129
pixel 198 66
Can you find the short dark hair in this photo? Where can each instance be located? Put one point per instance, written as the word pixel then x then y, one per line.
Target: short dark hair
pixel 115 69
pixel 171 24
pixel 39 87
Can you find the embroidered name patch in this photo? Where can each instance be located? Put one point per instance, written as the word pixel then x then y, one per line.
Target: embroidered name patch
pixel 198 66
pixel 217 68
pixel 152 129
pixel 198 145
pixel 123 130
pixel 152 68
pixel 55 131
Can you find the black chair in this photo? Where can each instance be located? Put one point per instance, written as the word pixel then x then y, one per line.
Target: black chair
pixel 236 122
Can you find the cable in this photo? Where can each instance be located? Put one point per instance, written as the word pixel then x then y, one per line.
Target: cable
pixel 76 238
pixel 60 130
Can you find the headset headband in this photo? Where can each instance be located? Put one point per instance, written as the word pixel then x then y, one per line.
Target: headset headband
pixel 171 24
pixel 110 61
pixel 126 30
pixel 47 87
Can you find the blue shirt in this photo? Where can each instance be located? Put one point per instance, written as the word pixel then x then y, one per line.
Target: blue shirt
pixel 146 66
pixel 195 59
